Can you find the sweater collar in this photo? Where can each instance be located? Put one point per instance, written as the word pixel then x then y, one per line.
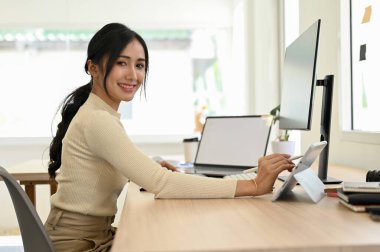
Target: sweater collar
pixel 99 103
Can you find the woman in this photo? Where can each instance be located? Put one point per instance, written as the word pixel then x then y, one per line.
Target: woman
pixel 96 157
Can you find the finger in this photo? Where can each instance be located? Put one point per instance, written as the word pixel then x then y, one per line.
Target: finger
pixel 276 160
pixel 276 155
pixel 280 164
pixel 280 154
pixel 168 166
pixel 284 167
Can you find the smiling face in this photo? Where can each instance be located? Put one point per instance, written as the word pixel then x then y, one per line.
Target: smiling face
pixel 125 77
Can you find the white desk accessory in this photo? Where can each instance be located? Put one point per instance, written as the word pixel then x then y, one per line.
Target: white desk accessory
pixel 303 174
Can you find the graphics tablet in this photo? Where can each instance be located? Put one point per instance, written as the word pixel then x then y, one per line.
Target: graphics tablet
pixel 311 183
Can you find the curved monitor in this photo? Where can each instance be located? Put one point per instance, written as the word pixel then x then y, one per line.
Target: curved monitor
pixel 299 80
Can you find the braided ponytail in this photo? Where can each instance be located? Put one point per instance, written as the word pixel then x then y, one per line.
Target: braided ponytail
pixel 70 107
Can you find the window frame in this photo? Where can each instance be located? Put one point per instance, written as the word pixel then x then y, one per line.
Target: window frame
pixel 346 132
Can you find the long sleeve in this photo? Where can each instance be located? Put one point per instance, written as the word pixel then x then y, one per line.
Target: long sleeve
pixel 107 139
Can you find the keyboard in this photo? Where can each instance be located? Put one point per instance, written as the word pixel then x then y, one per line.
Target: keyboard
pixel 242 176
pixel 211 169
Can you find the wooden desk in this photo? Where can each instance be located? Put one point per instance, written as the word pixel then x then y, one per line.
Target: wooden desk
pixel 30 174
pixel 245 224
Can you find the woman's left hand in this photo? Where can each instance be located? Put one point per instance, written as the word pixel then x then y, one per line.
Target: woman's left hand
pixel 167 165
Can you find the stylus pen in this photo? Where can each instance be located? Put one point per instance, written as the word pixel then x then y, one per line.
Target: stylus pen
pixel 295 157
pixel 255 168
pixel 250 170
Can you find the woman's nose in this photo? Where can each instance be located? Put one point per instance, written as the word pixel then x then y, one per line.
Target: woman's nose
pixel 131 73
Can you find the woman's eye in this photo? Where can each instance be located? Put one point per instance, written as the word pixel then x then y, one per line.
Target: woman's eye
pixel 122 63
pixel 140 66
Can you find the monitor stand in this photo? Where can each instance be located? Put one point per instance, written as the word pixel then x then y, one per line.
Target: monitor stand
pixel 331 180
pixel 327 83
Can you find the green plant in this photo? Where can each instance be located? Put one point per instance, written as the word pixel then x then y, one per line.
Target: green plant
pixel 284 134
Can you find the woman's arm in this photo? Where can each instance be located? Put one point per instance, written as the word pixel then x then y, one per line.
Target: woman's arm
pixel 107 140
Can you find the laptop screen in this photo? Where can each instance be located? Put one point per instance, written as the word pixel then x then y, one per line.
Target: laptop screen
pixel 234 140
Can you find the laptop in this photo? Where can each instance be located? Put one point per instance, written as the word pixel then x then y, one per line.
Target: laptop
pixel 231 144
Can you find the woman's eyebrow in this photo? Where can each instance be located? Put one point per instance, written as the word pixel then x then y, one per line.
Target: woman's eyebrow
pixel 127 57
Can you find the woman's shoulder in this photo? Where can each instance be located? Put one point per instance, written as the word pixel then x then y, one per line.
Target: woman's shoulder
pixel 99 124
pixel 92 116
pixel 96 115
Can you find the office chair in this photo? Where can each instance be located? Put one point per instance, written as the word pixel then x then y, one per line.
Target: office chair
pixel 33 233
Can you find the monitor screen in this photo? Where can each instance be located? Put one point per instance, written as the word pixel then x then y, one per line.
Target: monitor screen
pixel 299 80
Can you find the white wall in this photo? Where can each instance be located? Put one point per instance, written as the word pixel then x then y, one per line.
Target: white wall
pixel 96 13
pixel 264 52
pixel 327 62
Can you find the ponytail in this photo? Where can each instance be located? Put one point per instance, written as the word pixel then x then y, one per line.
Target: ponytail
pixel 70 107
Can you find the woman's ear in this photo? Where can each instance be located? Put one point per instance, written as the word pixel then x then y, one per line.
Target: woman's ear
pixel 93 68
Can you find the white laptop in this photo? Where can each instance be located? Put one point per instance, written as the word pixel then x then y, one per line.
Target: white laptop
pixel 231 144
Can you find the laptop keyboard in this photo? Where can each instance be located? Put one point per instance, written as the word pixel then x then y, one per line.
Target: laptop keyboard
pixel 210 169
pixel 242 176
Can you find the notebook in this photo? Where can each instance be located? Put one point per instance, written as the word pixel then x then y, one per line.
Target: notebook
pixel 231 144
pixel 361 187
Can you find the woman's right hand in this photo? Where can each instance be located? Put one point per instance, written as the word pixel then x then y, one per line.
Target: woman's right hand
pixel 268 170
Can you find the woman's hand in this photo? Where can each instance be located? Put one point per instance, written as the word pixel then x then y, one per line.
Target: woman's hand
pixel 167 165
pixel 268 170
pixel 164 163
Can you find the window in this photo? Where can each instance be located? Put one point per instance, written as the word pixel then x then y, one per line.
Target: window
pixel 188 76
pixel 365 53
pixel 38 68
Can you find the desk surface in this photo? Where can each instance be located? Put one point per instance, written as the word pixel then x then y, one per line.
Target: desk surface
pixel 245 224
pixel 35 169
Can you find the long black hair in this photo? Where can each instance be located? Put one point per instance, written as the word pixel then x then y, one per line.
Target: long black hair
pixel 108 41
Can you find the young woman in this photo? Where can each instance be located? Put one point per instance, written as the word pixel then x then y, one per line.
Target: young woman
pixel 96 157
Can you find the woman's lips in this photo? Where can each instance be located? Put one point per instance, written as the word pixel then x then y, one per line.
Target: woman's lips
pixel 127 87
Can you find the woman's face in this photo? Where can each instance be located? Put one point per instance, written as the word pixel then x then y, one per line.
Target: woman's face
pixel 125 77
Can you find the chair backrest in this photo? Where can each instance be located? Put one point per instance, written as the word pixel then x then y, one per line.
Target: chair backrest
pixel 33 233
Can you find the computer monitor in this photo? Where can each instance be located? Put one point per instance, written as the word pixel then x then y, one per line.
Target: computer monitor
pixel 298 88
pixel 298 85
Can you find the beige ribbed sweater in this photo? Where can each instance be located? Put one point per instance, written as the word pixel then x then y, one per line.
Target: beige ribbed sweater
pixel 98 158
